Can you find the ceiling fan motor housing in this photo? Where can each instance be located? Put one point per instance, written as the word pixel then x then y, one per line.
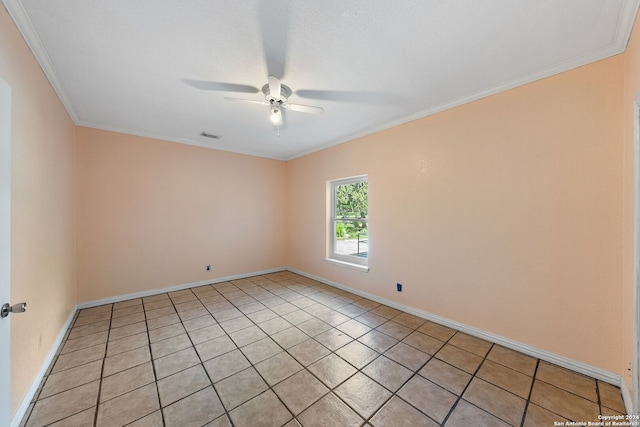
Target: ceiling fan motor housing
pixel 285 93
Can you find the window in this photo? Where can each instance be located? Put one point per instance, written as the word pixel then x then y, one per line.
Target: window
pixel 349 227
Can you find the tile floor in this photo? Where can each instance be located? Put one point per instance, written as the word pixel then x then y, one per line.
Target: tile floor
pixel 284 350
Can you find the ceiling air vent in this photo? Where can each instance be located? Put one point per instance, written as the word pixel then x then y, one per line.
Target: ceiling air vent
pixel 210 135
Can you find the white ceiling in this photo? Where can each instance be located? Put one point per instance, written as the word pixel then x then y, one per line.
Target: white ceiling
pixel 156 67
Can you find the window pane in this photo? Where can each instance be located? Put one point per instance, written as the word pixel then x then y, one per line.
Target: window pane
pixel 352 200
pixel 352 238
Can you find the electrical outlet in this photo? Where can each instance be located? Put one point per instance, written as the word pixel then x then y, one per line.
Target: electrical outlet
pixel 399 287
pixel 209 267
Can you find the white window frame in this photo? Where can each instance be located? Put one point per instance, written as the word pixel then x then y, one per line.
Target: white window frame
pixel 357 263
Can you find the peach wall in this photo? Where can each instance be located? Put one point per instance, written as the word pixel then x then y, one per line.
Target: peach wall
pixel 631 90
pixel 504 214
pixel 153 214
pixel 42 211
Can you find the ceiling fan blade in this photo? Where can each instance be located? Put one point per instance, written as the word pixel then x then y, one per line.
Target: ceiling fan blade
pixel 304 108
pixel 221 87
pixel 249 101
pixel 274 20
pixel 358 97
pixel 274 87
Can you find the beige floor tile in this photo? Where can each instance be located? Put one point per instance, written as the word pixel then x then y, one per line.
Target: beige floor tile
pixel 84 342
pixel 262 315
pixel 71 378
pixel 294 317
pixel 182 384
pixel 409 320
pixel 473 345
pixel 165 332
pixel 384 311
pixel 215 347
pixel 459 358
pixel 128 343
pixel 437 331
pixel 226 365
pixel 125 331
pixel 407 356
pixel 567 380
pixel 228 314
pixel 351 310
pixel 378 341
pixel 240 387
pixel 423 342
pixel 247 336
pixel 193 314
pixel 189 305
pixel 128 407
pixel 449 377
pixel 84 418
pixel 428 397
pixel 264 410
pixel 199 323
pixel 372 320
pixel 274 325
pixel 81 331
pixel 63 405
pixel 195 410
pixel 314 327
pixel 465 414
pixel 563 403
pixel 80 357
pixel 93 318
pixel 261 350
pixel 300 391
pixel 162 321
pixel 513 360
pixel 95 310
pixel 128 320
pixel 170 345
pixel 611 397
pixel 168 311
pixel 334 318
pixel 126 381
pixel 394 330
pixel 278 368
pixel 332 370
pixel 333 339
pixel 234 325
pixel 317 309
pixel 537 416
pixel 398 413
pixel 308 352
pixel 358 354
pixel 388 373
pixel 329 411
pixel 353 328
pixel 363 394
pixel 506 378
pixel 154 305
pixel 126 360
pixel 175 362
pixel 154 419
pixel 121 312
pixel 127 303
pixel 496 401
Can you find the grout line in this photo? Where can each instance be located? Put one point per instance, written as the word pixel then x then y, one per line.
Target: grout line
pixel 533 381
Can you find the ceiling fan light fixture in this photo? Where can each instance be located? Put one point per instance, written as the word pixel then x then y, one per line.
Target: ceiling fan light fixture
pixel 276 115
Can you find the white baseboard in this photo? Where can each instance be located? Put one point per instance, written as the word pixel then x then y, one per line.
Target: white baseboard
pixel 151 292
pixel 24 406
pixel 574 365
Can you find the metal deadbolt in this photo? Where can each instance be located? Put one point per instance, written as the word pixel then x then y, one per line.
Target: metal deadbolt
pixel 16 308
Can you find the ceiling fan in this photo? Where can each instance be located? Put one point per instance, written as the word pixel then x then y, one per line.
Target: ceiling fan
pixel 276 97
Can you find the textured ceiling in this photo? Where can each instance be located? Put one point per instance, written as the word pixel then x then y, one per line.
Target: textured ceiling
pixel 162 68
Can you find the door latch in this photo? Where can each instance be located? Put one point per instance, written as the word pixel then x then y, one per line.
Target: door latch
pixel 16 308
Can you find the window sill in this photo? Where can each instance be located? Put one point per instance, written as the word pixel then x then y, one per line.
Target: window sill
pixel 359 267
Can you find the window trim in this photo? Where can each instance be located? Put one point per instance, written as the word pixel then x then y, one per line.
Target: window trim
pixel 357 263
